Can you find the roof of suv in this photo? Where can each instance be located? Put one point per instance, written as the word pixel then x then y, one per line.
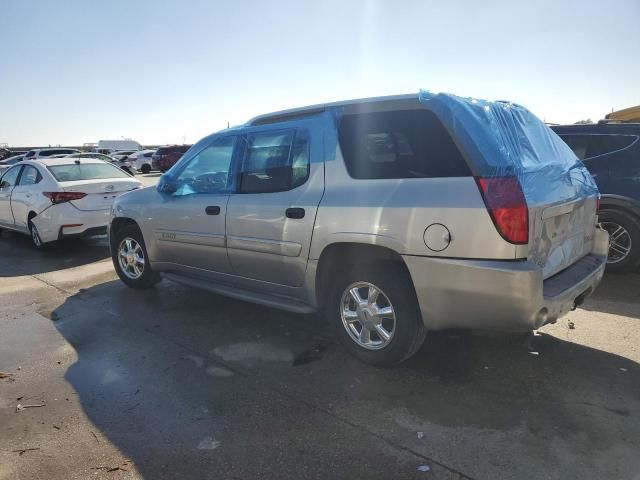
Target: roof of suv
pixel 38 150
pixel 323 106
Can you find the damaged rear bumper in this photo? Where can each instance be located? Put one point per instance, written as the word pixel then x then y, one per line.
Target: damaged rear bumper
pixel 65 220
pixel 501 295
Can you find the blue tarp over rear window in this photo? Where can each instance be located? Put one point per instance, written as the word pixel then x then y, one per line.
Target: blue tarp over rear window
pixel 505 139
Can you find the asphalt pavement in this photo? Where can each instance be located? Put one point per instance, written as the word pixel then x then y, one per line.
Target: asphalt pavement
pixel 107 382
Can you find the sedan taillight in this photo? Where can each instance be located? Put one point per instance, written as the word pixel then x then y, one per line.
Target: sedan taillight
pixel 61 197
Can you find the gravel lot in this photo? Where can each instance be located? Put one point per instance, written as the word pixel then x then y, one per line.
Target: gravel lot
pixel 179 383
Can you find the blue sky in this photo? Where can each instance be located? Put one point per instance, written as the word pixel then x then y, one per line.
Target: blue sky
pixel 75 71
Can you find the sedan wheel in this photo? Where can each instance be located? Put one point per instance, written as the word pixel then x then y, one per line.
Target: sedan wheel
pixel 35 236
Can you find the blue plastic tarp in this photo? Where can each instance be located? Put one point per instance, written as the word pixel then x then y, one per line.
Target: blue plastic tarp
pixel 505 139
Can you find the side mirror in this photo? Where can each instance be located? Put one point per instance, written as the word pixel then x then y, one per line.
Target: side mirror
pixel 167 185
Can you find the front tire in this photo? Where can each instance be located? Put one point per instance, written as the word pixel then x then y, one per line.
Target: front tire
pixel 130 259
pixel 624 239
pixel 375 314
pixel 146 168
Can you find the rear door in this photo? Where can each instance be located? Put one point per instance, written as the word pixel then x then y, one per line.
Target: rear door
pixel 270 219
pixel 25 195
pixel 7 184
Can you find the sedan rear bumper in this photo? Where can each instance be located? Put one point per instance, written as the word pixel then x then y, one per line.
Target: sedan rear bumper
pixel 65 220
pixel 501 295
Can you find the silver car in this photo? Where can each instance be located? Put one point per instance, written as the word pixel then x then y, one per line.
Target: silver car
pixel 392 216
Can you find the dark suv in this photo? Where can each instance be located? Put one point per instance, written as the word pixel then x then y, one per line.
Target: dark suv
pixel 166 157
pixel 611 152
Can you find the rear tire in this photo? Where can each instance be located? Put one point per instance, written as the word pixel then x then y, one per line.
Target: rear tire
pixel 36 241
pixel 624 232
pixel 130 259
pixel 146 168
pixel 403 331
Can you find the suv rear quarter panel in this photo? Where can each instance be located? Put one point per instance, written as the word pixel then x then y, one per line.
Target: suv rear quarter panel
pixel 394 213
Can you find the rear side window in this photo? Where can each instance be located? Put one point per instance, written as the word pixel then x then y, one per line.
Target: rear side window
pixel 399 144
pixel 30 176
pixel 587 146
pixel 48 153
pixel 604 144
pixel 85 171
pixel 274 161
pixel 578 143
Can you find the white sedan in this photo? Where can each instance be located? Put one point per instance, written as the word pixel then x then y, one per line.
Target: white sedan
pixel 52 198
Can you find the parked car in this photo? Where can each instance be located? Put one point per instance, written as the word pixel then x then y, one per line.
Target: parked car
pixel 53 198
pixel 393 216
pixel 611 152
pixel 47 152
pixel 124 164
pixel 121 154
pixel 7 162
pixel 166 157
pixel 141 160
pixel 5 153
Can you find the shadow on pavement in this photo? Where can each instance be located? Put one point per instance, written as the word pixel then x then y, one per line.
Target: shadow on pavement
pixel 618 294
pixel 26 260
pixel 161 371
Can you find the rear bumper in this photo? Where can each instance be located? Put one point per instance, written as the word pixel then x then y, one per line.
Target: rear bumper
pixel 501 295
pixel 54 222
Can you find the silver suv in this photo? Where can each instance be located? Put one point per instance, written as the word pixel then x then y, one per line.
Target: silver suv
pixel 393 216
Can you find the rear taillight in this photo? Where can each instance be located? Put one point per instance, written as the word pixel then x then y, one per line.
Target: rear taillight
pixel 61 197
pixel 507 206
pixel 598 204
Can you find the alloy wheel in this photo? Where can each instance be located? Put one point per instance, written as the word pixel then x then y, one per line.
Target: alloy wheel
pixel 367 315
pixel 131 258
pixel 619 241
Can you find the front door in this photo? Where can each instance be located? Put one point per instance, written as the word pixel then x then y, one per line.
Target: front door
pixel 189 223
pixel 270 219
pixel 7 183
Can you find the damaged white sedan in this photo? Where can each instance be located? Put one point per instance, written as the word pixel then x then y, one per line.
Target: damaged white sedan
pixel 53 198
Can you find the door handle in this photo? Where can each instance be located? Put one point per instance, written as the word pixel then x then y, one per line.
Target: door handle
pixel 212 210
pixel 295 213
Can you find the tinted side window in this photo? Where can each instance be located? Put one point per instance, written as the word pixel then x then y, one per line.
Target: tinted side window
pixel 400 144
pixel 9 179
pixel 274 162
pixel 30 176
pixel 603 144
pixel 578 143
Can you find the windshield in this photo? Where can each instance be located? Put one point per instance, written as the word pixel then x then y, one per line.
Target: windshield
pixel 86 171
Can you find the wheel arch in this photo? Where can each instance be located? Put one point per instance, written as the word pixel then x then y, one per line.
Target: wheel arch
pixel 118 224
pixel 621 204
pixel 345 254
